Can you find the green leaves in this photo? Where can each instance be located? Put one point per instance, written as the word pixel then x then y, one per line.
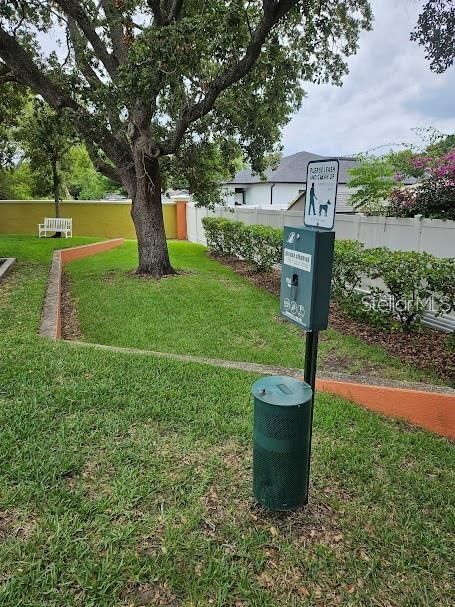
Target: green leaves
pixel 259 245
pixel 373 182
pixel 403 285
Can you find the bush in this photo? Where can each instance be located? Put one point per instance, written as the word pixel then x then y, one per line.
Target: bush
pixel 349 265
pixel 259 245
pixel 222 235
pixel 404 283
pixel 434 194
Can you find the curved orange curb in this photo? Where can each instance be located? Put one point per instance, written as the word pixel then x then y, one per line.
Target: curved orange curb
pixel 434 411
pixel 51 322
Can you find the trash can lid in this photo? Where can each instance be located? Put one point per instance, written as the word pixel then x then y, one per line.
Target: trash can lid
pixel 282 391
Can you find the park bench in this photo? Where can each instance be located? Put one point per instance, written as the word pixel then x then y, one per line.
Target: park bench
pixel 56 224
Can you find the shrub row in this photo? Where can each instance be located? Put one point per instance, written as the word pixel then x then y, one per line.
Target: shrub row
pixel 402 285
pixel 259 245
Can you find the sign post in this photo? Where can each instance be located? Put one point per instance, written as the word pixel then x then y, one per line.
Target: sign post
pixel 307 267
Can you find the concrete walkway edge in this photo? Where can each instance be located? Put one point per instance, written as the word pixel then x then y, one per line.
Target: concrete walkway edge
pixel 427 406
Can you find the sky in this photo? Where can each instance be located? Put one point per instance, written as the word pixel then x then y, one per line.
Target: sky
pixel 389 90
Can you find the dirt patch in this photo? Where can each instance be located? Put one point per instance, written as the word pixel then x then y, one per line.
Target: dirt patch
pixel 141 595
pixel 270 281
pixel 71 329
pixel 425 349
pixel 342 364
pixel 13 526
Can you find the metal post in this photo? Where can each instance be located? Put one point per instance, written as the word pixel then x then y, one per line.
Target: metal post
pixel 311 355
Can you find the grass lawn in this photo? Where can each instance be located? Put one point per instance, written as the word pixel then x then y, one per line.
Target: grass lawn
pixel 126 481
pixel 208 310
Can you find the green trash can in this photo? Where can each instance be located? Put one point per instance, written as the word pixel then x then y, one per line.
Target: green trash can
pixel 282 418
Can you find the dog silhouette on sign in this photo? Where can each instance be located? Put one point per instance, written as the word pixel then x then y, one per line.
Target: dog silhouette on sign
pixel 324 207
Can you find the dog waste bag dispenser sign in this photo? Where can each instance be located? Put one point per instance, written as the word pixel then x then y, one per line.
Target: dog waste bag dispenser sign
pixel 306 277
pixel 321 194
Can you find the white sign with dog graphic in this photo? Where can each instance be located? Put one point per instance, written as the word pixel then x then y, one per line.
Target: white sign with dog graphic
pixel 321 193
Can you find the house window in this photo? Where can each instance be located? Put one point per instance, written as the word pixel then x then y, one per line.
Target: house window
pixel 239 196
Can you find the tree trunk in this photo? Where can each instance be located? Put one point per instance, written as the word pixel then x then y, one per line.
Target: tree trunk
pixel 147 215
pixel 56 190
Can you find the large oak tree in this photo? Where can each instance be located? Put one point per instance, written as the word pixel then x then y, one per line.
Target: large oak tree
pixel 154 86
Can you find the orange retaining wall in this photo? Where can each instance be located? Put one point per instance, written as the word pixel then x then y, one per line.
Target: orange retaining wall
pixel 434 411
pixel 51 322
pixel 89 249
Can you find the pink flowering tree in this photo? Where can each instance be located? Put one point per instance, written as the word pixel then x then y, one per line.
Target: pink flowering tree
pixel 434 195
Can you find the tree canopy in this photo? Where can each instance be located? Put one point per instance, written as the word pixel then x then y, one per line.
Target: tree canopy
pixel 47 137
pixel 158 85
pixel 435 31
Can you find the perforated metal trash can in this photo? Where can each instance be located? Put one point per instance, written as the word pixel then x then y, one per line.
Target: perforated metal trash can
pixel 282 417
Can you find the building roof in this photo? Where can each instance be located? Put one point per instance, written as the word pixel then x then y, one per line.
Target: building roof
pixel 293 169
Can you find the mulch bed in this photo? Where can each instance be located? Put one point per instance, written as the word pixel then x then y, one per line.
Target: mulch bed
pixel 70 323
pixel 425 349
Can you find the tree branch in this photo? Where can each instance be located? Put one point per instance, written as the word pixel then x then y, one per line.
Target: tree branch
pixel 104 168
pixel 175 10
pixel 27 73
pixel 75 10
pixel 273 12
pixel 116 30
pixel 79 45
pixel 158 17
pixel 6 75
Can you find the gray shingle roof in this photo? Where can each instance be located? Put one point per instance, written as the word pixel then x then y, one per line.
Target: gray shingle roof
pixel 293 169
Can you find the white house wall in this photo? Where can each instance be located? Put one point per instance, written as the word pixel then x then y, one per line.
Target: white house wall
pixel 258 194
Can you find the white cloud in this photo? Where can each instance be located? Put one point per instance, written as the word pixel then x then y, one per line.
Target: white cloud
pixel 389 90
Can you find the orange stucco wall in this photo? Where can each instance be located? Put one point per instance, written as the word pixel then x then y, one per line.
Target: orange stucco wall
pixel 433 411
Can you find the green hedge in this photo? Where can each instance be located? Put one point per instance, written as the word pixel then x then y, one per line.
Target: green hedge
pixel 257 244
pixel 401 282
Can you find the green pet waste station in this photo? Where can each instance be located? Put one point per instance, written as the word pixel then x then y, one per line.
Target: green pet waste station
pixel 283 406
pixel 281 449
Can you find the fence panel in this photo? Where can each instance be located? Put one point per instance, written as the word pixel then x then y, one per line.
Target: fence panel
pixel 415 234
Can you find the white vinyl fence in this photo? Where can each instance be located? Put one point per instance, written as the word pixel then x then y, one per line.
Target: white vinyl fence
pixel 431 235
pixel 416 234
